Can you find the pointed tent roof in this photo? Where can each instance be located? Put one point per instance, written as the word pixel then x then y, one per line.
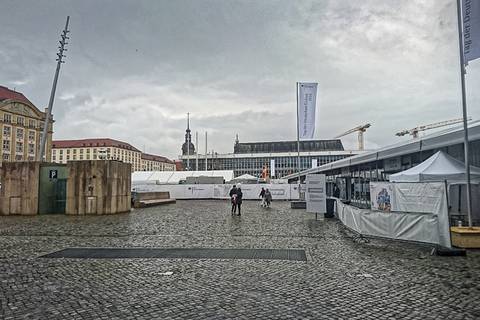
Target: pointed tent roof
pixel 439 167
pixel 246 177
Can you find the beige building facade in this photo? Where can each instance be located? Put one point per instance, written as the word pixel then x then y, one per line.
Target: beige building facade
pixel 152 162
pixel 22 126
pixel 106 149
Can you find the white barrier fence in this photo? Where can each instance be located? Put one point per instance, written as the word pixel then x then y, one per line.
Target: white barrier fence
pixel 220 191
pixel 405 211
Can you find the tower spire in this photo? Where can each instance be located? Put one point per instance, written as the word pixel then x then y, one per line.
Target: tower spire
pixel 188 121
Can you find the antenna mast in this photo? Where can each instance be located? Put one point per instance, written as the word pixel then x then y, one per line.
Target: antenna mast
pixel 59 60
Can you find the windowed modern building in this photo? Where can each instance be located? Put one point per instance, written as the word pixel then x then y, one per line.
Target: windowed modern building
pixel 22 128
pixel 277 159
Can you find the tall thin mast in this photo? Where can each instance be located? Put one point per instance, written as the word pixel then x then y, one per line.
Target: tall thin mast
pixel 464 109
pixel 196 153
pixel 188 141
pixel 206 152
pixel 59 60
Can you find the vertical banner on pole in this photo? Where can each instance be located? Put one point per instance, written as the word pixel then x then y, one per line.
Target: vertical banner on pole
pixel 272 167
pixel 314 163
pixel 307 98
pixel 471 29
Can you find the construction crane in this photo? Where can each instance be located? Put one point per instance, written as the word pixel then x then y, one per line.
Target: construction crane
pixel 415 131
pixel 360 129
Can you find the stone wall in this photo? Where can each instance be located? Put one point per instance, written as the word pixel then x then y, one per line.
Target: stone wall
pixel 98 187
pixel 19 191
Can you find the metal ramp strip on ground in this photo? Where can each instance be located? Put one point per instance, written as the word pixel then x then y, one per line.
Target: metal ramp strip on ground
pixel 179 253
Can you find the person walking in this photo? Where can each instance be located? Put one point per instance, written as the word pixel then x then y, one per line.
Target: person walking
pixel 233 198
pixel 239 199
pixel 262 195
pixel 268 197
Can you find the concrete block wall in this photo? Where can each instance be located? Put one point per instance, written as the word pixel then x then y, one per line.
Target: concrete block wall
pixel 98 187
pixel 19 191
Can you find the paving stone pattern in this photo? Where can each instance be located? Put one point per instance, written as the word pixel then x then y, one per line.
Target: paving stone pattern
pixel 341 279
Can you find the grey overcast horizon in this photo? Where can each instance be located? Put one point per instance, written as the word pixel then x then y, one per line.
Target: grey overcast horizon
pixel 135 68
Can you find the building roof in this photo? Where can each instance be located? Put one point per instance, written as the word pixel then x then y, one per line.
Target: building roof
pixel 7 94
pixel 440 139
pixel 288 146
pixel 96 142
pixel 153 157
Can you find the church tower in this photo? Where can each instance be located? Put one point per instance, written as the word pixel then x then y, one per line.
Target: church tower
pixel 188 147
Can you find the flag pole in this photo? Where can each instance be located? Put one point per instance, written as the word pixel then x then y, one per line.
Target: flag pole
pixel 464 108
pixel 298 141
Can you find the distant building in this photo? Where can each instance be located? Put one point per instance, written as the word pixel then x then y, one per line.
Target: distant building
pixel 22 128
pixel 108 149
pixel 152 162
pixel 256 158
pixel 179 165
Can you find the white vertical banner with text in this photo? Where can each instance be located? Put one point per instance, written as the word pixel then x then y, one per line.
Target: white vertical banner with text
pixel 314 163
pixel 316 196
pixel 272 167
pixel 307 99
pixel 471 29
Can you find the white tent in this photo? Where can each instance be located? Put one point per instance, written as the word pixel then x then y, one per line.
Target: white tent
pixel 439 167
pixel 174 177
pixel 245 177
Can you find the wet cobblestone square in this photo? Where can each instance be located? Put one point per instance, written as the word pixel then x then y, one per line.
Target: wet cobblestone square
pixel 341 279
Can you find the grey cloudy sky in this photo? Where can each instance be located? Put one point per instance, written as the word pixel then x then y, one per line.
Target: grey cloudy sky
pixel 135 68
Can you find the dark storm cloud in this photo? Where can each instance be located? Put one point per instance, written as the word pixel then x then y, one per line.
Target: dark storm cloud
pixel 135 68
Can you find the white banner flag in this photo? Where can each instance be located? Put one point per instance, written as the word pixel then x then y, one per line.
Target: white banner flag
pixel 307 98
pixel 471 29
pixel 272 168
pixel 314 163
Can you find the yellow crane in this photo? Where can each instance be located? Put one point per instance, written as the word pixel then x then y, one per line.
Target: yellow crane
pixel 415 131
pixel 361 130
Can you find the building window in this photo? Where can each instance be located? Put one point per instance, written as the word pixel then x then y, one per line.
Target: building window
pixel 20 121
pixel 81 151
pixel 6 157
pixel 19 147
pixel 53 158
pixel 68 151
pixel 31 135
pixel 18 157
pixel 31 123
pixel 19 134
pixel 68 156
pixel 60 151
pixel 6 145
pixel 6 131
pixel 41 125
pixel 81 156
pixel 31 148
pixel 31 158
pixel 74 151
pixel 7 118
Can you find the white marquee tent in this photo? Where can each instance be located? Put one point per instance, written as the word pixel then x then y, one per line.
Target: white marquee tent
pixel 439 167
pixel 174 177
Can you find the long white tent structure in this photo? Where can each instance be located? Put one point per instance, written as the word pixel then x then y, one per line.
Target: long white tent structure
pixel 435 141
pixel 174 177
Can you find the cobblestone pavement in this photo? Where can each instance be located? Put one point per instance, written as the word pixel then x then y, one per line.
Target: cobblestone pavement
pixel 342 279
